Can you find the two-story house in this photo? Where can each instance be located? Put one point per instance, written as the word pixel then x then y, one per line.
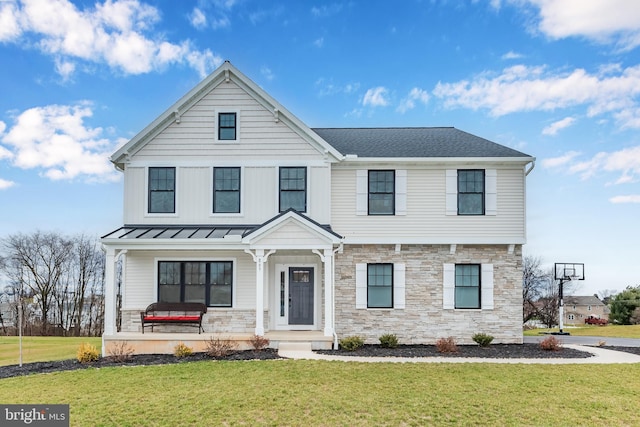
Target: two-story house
pixel 313 234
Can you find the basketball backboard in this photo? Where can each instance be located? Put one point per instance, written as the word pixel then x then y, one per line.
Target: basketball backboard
pixel 566 271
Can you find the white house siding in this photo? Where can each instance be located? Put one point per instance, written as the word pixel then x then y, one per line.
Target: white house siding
pixel 259 136
pixel 423 320
pixel 426 220
pixel 141 282
pixel 194 196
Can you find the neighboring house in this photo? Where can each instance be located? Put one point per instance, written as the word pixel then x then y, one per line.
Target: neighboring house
pixel 231 200
pixel 578 308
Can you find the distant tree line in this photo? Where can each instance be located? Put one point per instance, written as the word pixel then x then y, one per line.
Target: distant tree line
pixel 56 281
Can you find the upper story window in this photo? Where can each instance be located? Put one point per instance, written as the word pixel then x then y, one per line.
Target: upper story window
pixel 381 192
pixel 467 286
pixel 470 192
pixel 162 190
pixel 380 285
pixel 293 188
pixel 227 126
pixel 226 190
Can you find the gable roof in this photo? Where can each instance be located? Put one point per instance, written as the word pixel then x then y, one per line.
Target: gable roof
pixel 413 142
pixel 226 72
pixel 582 300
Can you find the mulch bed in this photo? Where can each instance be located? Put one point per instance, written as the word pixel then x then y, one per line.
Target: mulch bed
pixel 134 360
pixel 499 351
pixel 632 350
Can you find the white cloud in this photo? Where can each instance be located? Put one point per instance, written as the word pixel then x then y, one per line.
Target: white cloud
pixel 267 73
pixel 634 198
pixel 376 97
pixel 555 127
pixel 116 32
pixel 512 55
pixel 603 21
pixel 563 160
pixel 4 184
pixel 198 19
pixel 623 164
pixel 415 95
pixel 523 88
pixel 328 87
pixel 56 140
pixel 326 10
pixel 319 42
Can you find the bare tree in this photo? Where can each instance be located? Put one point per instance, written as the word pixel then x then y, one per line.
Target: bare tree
pixel 38 262
pixel 535 285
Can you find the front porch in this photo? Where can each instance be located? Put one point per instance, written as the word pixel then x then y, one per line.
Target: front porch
pixel 165 343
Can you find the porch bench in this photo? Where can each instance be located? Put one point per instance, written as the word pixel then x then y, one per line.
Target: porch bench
pixel 182 313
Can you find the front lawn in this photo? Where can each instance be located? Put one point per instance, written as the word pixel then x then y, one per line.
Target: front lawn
pixel 42 349
pixel 609 331
pixel 310 393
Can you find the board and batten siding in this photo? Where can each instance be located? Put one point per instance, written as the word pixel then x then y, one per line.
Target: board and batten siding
pixel 425 217
pixel 194 196
pixel 141 279
pixel 259 136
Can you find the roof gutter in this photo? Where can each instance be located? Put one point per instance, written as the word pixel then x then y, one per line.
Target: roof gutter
pixel 533 165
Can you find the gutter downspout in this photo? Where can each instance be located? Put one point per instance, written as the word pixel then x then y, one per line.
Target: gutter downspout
pixel 333 295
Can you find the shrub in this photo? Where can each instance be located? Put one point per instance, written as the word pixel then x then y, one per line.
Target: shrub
pixel 219 348
pixel 483 340
pixel 259 342
pixel 87 353
pixel 182 350
pixel 550 343
pixel 389 341
pixel 446 345
pixel 351 343
pixel 120 351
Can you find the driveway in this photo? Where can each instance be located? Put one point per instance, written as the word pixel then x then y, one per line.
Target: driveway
pixel 570 339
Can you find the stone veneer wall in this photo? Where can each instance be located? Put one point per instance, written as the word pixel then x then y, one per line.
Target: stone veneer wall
pixel 423 320
pixel 223 321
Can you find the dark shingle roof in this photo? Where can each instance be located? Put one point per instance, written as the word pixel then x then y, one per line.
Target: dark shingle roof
pixel 412 142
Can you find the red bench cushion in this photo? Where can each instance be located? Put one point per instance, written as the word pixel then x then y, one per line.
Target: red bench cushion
pixel 171 318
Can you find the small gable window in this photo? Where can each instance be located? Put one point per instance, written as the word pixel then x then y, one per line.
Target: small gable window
pixel 227 126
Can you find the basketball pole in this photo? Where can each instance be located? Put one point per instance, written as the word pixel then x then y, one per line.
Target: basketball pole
pixel 561 306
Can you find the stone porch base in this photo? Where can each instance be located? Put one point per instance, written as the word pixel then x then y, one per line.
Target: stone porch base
pixel 165 343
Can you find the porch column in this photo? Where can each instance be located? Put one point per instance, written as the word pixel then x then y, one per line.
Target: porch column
pixel 259 258
pixel 328 293
pixel 109 294
pixel 327 258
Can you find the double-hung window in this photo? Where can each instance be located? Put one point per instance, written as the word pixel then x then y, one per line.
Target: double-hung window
pixel 162 190
pixel 470 192
pixel 226 190
pixel 380 285
pixel 293 189
pixel 227 126
pixel 209 282
pixel 467 283
pixel 381 192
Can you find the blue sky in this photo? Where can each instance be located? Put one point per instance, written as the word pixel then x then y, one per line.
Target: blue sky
pixel 559 80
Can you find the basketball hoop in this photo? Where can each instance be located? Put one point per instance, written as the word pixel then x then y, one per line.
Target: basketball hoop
pixel 565 272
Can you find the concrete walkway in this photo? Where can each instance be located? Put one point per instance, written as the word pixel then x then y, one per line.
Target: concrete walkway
pixel 601 356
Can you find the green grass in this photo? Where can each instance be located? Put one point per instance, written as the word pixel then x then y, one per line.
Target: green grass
pixel 303 393
pixel 609 331
pixel 42 349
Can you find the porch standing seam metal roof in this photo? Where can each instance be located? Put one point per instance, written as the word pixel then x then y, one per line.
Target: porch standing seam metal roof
pixel 133 232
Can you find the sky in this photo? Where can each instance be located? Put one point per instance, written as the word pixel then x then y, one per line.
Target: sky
pixel 558 80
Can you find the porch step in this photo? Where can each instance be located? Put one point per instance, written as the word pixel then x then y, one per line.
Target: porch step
pixel 294 346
